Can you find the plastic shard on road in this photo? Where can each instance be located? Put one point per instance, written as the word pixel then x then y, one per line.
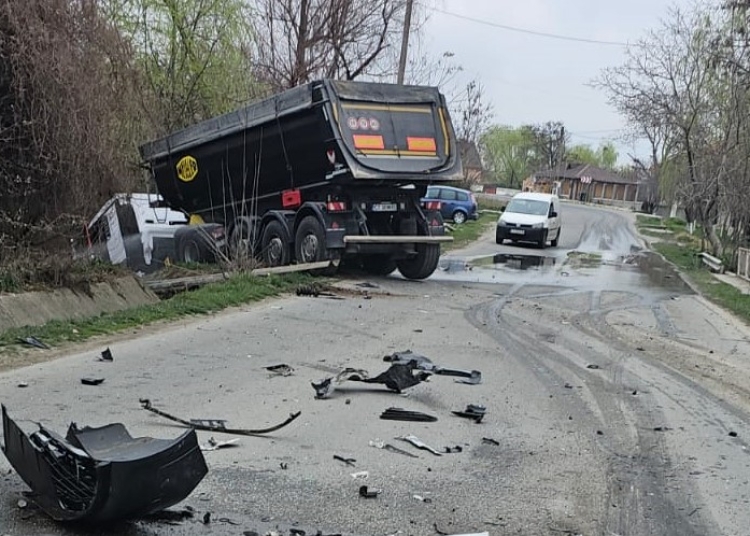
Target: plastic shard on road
pixel 99 475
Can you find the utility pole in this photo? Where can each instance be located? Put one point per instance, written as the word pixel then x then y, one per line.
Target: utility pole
pixel 405 42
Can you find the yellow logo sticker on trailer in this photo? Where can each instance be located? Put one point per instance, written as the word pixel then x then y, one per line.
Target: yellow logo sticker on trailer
pixel 187 168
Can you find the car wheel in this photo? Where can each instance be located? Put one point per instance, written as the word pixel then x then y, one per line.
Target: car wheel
pixel 499 238
pixel 543 240
pixel 557 237
pixel 459 217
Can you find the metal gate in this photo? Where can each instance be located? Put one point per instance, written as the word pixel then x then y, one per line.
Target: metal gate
pixel 743 263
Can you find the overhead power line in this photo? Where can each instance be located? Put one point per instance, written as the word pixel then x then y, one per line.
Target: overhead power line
pixel 531 32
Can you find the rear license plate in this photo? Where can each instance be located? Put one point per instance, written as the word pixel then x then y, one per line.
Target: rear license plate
pixel 517 231
pixel 384 207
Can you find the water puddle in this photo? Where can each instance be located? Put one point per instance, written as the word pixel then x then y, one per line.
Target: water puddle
pixel 523 262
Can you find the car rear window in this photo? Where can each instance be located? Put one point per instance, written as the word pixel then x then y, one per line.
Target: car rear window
pixel 462 196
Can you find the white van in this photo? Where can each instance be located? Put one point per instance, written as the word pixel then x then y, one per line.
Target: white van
pixel 531 217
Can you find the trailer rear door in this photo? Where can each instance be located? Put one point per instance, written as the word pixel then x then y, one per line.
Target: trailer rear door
pixel 410 137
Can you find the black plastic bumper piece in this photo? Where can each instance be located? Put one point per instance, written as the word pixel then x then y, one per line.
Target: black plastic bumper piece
pixel 101 475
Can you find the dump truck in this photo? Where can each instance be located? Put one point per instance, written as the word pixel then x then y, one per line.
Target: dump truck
pixel 326 171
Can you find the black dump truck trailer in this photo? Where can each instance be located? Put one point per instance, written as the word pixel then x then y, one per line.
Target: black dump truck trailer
pixel 329 170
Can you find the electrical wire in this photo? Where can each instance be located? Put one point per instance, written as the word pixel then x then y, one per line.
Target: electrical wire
pixel 529 32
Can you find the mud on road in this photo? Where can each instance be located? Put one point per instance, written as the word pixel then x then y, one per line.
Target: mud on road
pixel 611 392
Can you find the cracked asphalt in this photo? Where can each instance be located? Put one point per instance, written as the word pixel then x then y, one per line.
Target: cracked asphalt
pixel 617 401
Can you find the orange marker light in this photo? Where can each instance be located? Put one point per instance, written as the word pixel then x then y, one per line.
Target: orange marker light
pixel 368 142
pixel 426 145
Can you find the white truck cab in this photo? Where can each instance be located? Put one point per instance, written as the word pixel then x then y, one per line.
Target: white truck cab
pixel 531 217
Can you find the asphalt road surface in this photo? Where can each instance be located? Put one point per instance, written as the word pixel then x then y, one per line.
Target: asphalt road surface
pixel 617 401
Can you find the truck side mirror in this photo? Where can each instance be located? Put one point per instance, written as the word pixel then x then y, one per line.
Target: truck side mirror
pixel 553 214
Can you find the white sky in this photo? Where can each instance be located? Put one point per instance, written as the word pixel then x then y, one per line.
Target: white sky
pixel 534 79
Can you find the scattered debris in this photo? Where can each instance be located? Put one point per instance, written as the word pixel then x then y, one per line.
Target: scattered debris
pixel 348 461
pixel 418 330
pixel 92 381
pixel 368 493
pixel 216 425
pixel 421 362
pixel 422 499
pixel 640 348
pixel 316 291
pixel 280 369
pixel 592 366
pixel 103 474
pixel 22 504
pixel 284 466
pixel 453 450
pixel 568 386
pixel 106 355
pixel 22 384
pixel 599 432
pixel 661 429
pixel 732 434
pixel 213 444
pixel 397 378
pixel 33 341
pixel 391 448
pixel 491 441
pixel 414 440
pixel 367 284
pixel 472 411
pixel 324 388
pixel 361 475
pixel 297 532
pixel 207 518
pixel 398 414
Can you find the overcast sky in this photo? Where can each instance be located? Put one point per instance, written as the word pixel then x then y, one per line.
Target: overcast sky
pixel 535 79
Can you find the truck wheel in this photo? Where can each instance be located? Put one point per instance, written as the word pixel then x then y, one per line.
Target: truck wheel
pixel 191 248
pixel 275 245
pixel 459 217
pixel 309 241
pixel 378 264
pixel 423 264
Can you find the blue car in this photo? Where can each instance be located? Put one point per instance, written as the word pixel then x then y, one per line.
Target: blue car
pixel 455 204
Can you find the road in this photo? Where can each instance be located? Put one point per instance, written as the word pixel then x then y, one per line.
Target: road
pixel 617 401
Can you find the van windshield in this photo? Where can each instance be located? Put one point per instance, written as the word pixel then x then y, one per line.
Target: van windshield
pixel 528 206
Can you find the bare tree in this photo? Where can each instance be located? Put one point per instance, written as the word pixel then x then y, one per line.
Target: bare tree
pixel 301 40
pixel 669 88
pixel 65 115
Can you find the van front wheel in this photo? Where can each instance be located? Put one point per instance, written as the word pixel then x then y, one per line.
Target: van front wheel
pixel 557 237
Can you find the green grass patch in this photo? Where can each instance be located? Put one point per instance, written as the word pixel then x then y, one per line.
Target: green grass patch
pixel 239 289
pixel 685 257
pixel 470 230
pixel 642 221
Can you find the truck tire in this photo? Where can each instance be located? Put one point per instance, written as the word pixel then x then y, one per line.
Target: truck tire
pixel 192 248
pixel 275 245
pixel 309 241
pixel 423 264
pixel 379 264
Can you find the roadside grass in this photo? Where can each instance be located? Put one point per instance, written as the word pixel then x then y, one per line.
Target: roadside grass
pixel 685 257
pixel 469 231
pixel 237 290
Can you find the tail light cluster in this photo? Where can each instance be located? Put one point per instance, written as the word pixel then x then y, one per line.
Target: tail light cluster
pixel 432 205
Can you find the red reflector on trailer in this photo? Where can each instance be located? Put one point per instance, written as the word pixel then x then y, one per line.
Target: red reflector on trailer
pixel 336 206
pixel 291 198
pixel 426 145
pixel 368 142
pixel 435 223
pixel 432 205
